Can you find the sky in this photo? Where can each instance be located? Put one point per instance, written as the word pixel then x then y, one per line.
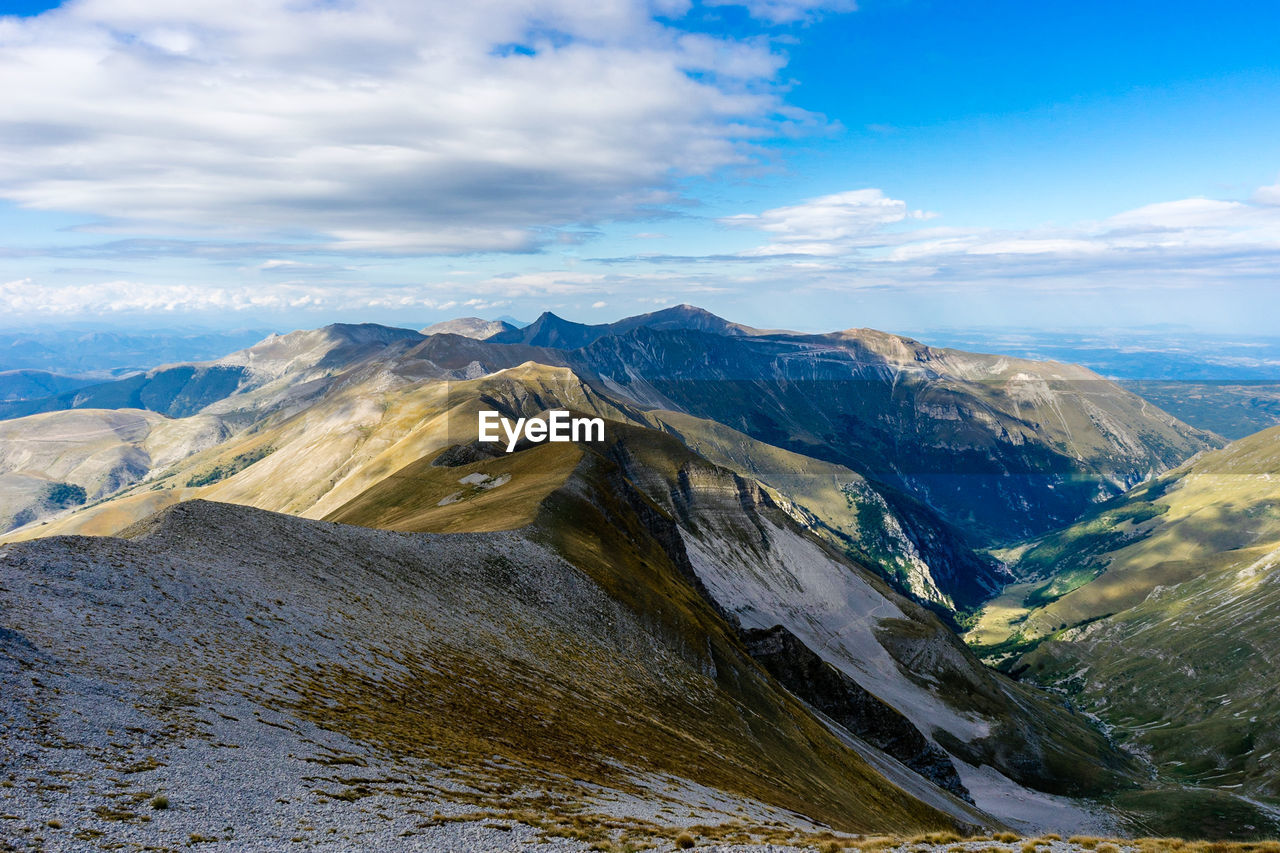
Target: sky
pixel 808 164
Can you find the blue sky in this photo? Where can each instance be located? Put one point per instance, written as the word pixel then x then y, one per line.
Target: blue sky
pixel 797 163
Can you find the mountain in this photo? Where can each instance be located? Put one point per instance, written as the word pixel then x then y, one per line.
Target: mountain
pixel 338 672
pixel 1159 613
pixel 758 568
pixel 396 461
pixel 552 331
pixel 1002 447
pixel 954 449
pixel 32 384
pixel 184 389
pixel 907 542
pixel 470 327
pixel 762 528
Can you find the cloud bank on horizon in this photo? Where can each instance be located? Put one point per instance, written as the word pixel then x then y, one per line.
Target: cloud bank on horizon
pixel 380 157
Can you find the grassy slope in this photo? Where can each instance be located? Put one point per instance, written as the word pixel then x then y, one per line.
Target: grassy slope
pixel 1174 640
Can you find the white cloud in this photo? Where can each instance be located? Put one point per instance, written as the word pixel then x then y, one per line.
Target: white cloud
pixel 865 239
pixel 1268 195
pixel 787 11
pixel 386 125
pixel 828 225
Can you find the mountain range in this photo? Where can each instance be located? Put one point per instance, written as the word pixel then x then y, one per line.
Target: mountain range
pixel 751 587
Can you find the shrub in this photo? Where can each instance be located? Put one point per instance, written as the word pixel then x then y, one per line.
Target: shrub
pixel 684 841
pixel 64 495
pixel 221 472
pixel 159 801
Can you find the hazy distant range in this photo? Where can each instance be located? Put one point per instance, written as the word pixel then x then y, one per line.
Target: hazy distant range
pixel 1229 384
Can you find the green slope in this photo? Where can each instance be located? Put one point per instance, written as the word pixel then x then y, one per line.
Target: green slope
pixel 1162 614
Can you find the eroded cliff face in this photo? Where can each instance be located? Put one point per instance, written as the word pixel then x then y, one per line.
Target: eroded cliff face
pixel 762 570
pixel 835 694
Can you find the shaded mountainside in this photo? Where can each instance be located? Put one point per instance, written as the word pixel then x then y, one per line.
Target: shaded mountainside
pixel 466 666
pixel 33 384
pixel 552 331
pixel 1159 613
pixel 1002 447
pixel 808 676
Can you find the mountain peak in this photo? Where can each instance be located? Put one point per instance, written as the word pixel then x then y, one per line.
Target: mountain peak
pixel 469 327
pixel 551 330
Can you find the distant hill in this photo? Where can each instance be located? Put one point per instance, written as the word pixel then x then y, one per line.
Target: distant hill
pixel 470 327
pixel 75 351
pixel 34 384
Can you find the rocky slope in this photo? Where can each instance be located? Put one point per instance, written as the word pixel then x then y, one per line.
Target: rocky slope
pixel 354 668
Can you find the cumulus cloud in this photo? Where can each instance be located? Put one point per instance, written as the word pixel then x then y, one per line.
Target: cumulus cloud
pixel 828 225
pixel 1197 237
pixel 376 125
pixel 866 239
